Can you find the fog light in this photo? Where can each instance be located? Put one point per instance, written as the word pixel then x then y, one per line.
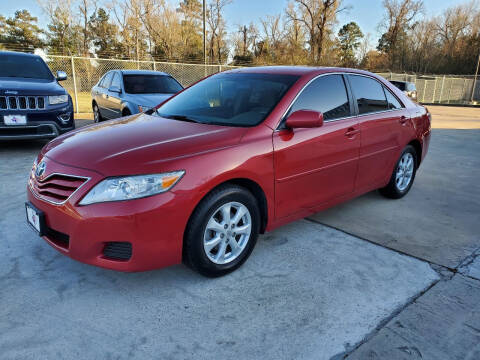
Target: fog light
pixel 64 118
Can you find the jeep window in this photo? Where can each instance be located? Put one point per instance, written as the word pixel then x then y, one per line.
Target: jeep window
pixel 22 66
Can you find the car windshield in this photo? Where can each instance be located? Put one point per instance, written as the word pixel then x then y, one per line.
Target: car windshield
pixel 21 66
pixel 150 84
pixel 230 99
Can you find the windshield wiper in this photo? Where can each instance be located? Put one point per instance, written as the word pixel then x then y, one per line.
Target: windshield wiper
pixel 181 118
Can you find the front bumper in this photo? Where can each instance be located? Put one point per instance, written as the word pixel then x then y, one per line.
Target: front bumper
pixel 154 227
pixel 41 124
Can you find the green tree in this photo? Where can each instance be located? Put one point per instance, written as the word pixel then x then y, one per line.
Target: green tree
pixel 104 34
pixel 21 30
pixel 63 35
pixel 350 37
pixel 191 29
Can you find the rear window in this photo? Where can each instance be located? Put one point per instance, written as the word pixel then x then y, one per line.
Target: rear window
pixel 369 94
pixel 21 66
pixel 150 84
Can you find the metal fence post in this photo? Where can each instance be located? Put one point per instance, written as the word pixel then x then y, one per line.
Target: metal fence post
pixel 434 90
pixel 464 86
pixel 450 90
pixel 424 90
pixel 441 91
pixel 154 66
pixel 74 84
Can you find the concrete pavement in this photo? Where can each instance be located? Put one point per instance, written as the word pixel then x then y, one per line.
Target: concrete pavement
pixel 308 292
pixel 438 220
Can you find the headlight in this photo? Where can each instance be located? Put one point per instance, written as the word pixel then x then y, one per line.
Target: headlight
pixel 143 108
pixel 131 187
pixel 57 99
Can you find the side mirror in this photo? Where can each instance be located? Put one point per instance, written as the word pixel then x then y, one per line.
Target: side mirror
pixel 115 89
pixel 61 75
pixel 305 119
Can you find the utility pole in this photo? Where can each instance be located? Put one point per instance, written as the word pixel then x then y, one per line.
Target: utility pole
pixel 475 79
pixel 204 32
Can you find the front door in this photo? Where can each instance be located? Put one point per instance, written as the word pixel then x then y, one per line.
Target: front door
pixel 113 99
pixel 317 165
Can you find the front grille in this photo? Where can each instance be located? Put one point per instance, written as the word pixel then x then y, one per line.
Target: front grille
pixel 56 188
pixel 118 250
pixel 22 102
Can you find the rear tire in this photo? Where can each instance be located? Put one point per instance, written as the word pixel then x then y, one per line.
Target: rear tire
pixel 403 175
pixel 222 231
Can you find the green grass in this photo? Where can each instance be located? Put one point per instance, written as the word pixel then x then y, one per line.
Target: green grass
pixel 84 102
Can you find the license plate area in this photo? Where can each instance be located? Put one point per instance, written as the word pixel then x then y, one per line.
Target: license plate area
pixel 35 218
pixel 14 120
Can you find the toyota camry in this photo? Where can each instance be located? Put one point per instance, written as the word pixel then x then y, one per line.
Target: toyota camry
pixel 237 154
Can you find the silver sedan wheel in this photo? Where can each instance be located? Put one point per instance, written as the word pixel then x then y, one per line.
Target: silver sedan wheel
pixel 227 233
pixel 96 114
pixel 404 173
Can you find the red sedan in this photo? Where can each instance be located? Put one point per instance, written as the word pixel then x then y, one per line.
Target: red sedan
pixel 237 154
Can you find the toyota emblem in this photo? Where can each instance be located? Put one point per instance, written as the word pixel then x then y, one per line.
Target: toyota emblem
pixel 41 167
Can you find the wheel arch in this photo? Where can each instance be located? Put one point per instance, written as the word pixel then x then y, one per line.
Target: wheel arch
pixel 253 187
pixel 126 106
pixel 418 149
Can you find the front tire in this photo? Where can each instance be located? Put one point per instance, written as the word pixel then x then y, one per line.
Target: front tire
pixel 222 231
pixel 97 117
pixel 403 175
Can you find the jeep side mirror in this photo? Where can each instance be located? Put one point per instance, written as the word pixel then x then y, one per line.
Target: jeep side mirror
pixel 61 75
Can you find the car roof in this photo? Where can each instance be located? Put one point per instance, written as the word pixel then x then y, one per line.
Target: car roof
pixel 143 72
pixel 297 70
pixel 19 54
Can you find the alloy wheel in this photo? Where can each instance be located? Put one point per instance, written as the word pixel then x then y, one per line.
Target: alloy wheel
pixel 96 114
pixel 227 233
pixel 404 172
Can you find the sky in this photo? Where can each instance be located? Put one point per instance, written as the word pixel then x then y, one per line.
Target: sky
pixel 367 13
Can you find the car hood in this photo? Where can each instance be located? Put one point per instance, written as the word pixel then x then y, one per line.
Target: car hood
pixel 150 100
pixel 27 86
pixel 137 144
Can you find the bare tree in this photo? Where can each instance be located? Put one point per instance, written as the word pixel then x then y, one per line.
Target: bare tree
pixel 317 16
pixel 217 26
pixel 85 11
pixel 398 18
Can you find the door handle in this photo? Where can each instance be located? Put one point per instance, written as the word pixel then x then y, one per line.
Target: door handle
pixel 351 132
pixel 403 120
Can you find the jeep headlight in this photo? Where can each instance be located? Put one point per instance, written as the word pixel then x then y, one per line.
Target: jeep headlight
pixel 57 99
pixel 131 187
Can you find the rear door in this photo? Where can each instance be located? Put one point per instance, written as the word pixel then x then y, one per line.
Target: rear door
pixel 381 122
pixel 317 165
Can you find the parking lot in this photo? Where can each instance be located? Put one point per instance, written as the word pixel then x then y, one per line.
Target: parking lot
pixel 370 279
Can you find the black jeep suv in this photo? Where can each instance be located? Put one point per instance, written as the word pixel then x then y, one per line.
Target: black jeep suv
pixel 32 103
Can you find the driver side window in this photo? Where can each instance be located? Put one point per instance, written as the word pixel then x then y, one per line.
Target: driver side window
pixel 326 94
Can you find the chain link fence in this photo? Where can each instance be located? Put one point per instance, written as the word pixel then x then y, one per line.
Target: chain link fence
pixel 84 73
pixel 442 89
